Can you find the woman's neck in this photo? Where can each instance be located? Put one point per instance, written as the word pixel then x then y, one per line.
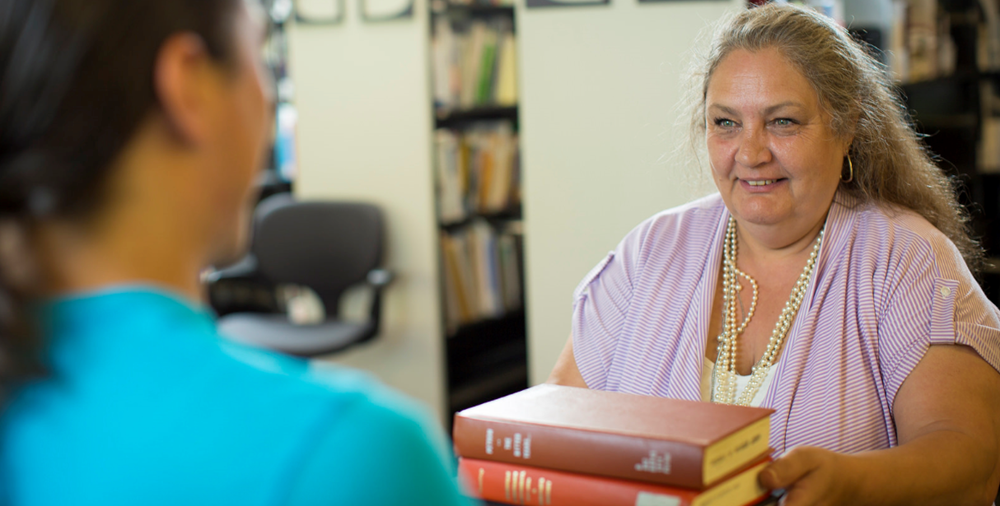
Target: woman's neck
pixel 75 261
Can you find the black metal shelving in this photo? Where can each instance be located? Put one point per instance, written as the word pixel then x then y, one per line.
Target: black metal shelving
pixel 452 118
pixel 485 359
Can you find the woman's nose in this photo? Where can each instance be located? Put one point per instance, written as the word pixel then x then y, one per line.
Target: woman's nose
pixel 753 150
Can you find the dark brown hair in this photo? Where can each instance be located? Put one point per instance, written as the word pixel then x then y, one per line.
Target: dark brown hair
pixel 76 81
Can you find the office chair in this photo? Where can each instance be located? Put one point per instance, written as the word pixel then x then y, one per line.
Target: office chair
pixel 325 246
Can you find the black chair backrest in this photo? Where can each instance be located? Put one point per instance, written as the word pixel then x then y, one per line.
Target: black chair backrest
pixel 327 246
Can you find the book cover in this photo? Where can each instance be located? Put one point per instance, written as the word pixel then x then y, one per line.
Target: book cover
pixel 443 49
pixel 454 312
pixel 516 484
pixel 473 44
pixel 510 272
pixel 468 295
pixel 506 78
pixel 669 441
pixel 487 63
pixel 480 242
pixel 497 196
pixel 449 178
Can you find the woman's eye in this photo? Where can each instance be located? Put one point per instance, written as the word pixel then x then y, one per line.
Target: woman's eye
pixel 784 122
pixel 725 123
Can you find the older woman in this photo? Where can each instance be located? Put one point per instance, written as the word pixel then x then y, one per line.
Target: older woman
pixel 827 280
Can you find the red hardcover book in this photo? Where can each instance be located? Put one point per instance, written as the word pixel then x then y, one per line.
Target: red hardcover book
pixel 668 441
pixel 515 484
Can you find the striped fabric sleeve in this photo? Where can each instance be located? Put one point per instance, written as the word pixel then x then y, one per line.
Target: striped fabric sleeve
pixel 935 301
pixel 977 320
pixel 960 312
pixel 600 306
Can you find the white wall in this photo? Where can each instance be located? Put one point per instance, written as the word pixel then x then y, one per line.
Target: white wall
pixel 598 85
pixel 365 134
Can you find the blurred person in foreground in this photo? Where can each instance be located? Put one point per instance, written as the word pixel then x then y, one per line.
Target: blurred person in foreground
pixel 131 134
pixel 828 280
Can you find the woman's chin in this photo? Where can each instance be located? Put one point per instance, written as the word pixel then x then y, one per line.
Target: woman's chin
pixel 761 215
pixel 760 221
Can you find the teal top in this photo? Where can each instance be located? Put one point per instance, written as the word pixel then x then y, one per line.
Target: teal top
pixel 145 404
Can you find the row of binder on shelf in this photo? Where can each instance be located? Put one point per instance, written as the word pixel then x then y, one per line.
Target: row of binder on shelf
pixel 482 273
pixel 474 63
pixel 477 170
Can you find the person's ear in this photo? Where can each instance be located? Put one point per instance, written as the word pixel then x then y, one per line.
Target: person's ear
pixel 848 139
pixel 182 78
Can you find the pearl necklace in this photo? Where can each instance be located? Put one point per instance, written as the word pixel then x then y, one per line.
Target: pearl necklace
pixel 725 366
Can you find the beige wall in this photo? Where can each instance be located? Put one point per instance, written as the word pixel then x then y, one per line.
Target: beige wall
pixel 598 85
pixel 364 134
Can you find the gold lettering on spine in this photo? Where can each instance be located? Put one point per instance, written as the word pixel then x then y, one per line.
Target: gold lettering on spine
pixel 481 473
pixel 527 491
pixel 506 485
pixel 513 486
pixel 548 492
pixel 515 490
pixel 520 486
pixel 541 491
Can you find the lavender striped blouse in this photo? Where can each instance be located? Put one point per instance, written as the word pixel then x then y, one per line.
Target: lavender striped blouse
pixel 886 286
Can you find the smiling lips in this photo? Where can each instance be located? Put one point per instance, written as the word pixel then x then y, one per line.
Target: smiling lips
pixel 761 182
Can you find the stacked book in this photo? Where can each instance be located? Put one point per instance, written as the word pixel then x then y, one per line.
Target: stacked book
pixel 566 446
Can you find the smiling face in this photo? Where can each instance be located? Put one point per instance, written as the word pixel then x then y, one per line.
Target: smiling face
pixel 774 157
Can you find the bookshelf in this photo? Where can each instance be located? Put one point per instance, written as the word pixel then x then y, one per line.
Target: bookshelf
pixel 476 167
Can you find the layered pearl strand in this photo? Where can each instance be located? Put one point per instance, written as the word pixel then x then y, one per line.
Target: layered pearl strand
pixel 725 365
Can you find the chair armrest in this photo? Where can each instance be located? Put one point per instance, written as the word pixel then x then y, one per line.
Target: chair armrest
pixel 246 267
pixel 380 278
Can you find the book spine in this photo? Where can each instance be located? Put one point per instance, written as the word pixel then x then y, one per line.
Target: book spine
pixel 672 463
pixel 514 484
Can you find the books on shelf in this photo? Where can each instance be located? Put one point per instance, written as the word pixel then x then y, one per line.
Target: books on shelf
pixel 482 273
pixel 477 171
pixel 474 63
pixel 670 442
pixel 518 484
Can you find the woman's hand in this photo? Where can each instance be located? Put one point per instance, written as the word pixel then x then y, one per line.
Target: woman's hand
pixel 813 477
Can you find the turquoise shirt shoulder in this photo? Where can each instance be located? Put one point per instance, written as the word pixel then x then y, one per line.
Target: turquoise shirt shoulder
pixel 145 404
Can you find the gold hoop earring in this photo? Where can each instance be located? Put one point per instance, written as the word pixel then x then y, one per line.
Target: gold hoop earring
pixel 850 165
